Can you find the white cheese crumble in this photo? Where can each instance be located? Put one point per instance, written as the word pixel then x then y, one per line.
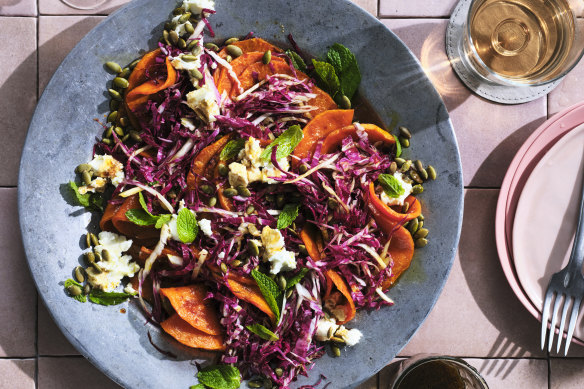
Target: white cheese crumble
pixel 327 328
pixel 116 266
pixel 280 259
pixel 397 200
pixel 104 167
pixel 237 174
pixel 205 225
pixel 196 6
pixel 204 103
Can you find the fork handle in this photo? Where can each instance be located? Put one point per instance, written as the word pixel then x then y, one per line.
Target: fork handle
pixel 577 255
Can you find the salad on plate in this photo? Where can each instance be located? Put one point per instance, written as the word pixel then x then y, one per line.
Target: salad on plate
pixel 242 204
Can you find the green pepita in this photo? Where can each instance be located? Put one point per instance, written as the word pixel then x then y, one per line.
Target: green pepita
pixel 83 167
pixel 182 44
pixel 189 57
pixel 255 384
pixel 224 268
pixel 419 243
pixel 289 293
pixel 228 58
pixel 196 74
pixel 79 274
pixel 252 248
pixel 125 73
pixel 116 96
pixel 405 207
pixel 431 172
pixel 106 141
pixel 113 67
pixel 393 167
pixel 86 177
pixel 74 290
pixel 336 351
pixel 282 282
pixel 243 191
pixel 236 263
pixel 173 36
pixel 166 37
pixel 108 132
pixel 400 161
pixel 405 166
pixel 332 203
pixel 97 268
pixel 302 249
pixel 208 189
pixel 250 209
pixel 125 138
pixel 120 82
pixel 184 17
pixel 189 28
pixel 423 174
pixel 135 135
pixel 112 117
pixel 416 177
pixel 405 142
pixel 231 41
pixel 421 224
pixel 106 255
pixel 124 121
pixel 345 102
pixel 97 256
pixel 421 217
pixel 418 165
pixel 303 168
pixel 267 384
pixel 422 233
pixel 234 51
pixel 88 240
pixel 178 11
pixel 413 226
pixel 119 131
pixel 279 372
pixel 223 170
pixel 134 63
pixel 192 44
pixel 90 257
pixel 417 189
pixel 336 339
pixel 212 201
pixel 404 132
pixel 229 192
pixel 211 46
pixel 114 104
pixel 267 58
pixel 86 289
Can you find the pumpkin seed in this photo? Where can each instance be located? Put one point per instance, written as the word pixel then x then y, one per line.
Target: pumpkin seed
pixel 253 248
pixel 413 226
pixel 267 57
pixel 405 142
pixel 405 207
pixel 107 256
pixel 405 166
pixel 74 290
pixel 208 189
pixel 83 167
pixel 229 192
pixel 302 249
pixel 88 240
pixel 119 131
pixel 418 165
pixel 113 67
pixel 79 274
pixel 228 58
pixel 422 233
pixel 400 161
pixel 255 384
pixel 173 36
pixel 234 51
pixel 116 96
pixel 282 282
pixel 336 351
pixel 404 132
pixel 166 36
pixel 120 82
pixel 134 63
pixel 280 200
pixel 267 384
pixel 125 73
pixel 90 257
pixel 416 177
pixel 86 177
pixel 212 201
pixel 336 339
pixel 97 267
pixel 289 293
pixel 112 117
pixel 250 209
pixel 195 73
pixel 196 50
pixel 125 138
pixel 421 224
pixel 431 172
pixel 303 168
pixel 223 169
pixel 279 372
pixel 86 289
pixel 178 11
pixel 124 121
pixel 393 167
pixel 224 268
pixel 243 191
pixel 114 104
pixel 106 141
pixel 417 189
pixel 182 44
pixel 189 28
pixel 423 174
pixel 407 180
pixel 211 46
pixel 421 217
pixel 332 203
pixel 191 44
pixel 107 132
pixel 419 243
pixel 345 102
pixel 135 135
pixel 184 17
pixel 189 57
pixel 236 263
pixel 231 41
pixel 97 256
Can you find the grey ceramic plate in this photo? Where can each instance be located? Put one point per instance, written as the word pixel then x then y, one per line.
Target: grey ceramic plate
pixel 63 130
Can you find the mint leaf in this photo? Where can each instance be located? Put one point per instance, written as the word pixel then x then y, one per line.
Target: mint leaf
pixel 296 60
pixel 220 377
pixel 297 278
pixel 197 386
pixel 262 332
pixel 346 68
pixel 391 186
pixel 81 298
pixel 327 77
pixel 141 217
pixel 82 199
pixel 162 220
pixel 286 142
pixel 187 226
pixel 288 215
pixel 108 298
pixel 270 290
pixel 143 203
pixel 231 149
pixel 398 149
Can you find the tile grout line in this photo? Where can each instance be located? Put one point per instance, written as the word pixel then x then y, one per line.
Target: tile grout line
pixel 36 339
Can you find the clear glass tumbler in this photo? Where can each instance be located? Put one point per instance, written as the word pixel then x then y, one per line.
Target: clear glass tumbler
pixel 522 42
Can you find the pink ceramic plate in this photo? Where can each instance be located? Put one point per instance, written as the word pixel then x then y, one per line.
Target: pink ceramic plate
pixel 517 174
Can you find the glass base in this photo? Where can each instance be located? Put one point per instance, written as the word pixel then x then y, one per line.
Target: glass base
pixel 475 82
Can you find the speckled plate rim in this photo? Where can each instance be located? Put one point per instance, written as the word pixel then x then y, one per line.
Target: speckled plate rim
pixel 526 158
pixel 413 96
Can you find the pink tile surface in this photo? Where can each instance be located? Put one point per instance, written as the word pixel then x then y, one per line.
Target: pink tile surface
pixel 17 373
pixel 57 37
pixel 488 134
pixel 477 314
pixel 368 5
pixel 424 8
pixel 566 373
pixel 18 7
pixel 17 291
pixel 512 373
pixel 51 340
pixel 71 373
pixel 17 91
pixel 79 7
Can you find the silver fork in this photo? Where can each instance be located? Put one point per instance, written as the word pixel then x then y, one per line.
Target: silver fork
pixel 568 286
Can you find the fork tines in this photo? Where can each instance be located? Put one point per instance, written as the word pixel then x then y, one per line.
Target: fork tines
pixel 561 299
